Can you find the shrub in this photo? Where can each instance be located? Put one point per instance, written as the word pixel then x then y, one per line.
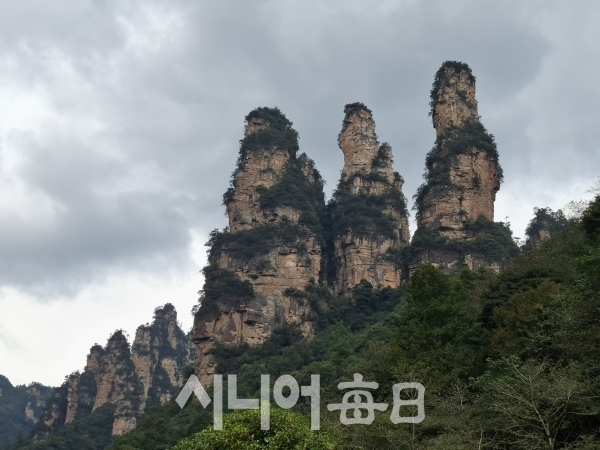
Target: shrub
pixel 364 213
pixel 279 134
pixel 490 239
pixel 293 189
pixel 248 244
pixel 242 430
pixel 221 287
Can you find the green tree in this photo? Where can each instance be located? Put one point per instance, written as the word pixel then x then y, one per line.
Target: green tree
pixel 241 431
pixel 438 335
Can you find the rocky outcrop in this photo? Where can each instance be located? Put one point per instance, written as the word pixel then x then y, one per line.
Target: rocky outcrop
pixel 370 217
pixel 453 97
pixel 462 179
pixel 273 246
pixel 130 378
pixel 263 166
pixel 463 170
pixel 160 352
pixel 20 408
pixel 544 224
pixel 37 395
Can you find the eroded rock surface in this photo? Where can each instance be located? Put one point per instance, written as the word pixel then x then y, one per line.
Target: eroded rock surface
pixel 131 378
pixel 463 176
pixel 370 219
pixel 272 247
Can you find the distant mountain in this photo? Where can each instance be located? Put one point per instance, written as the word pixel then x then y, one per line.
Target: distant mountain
pixel 21 407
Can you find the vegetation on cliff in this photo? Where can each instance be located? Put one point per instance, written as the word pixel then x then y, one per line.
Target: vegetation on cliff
pixel 294 190
pixel 277 133
pixel 441 80
pixel 509 360
pixel 365 214
pixel 14 402
pixel 88 432
pixel 492 240
pixel 221 287
pixel 545 219
pixel 454 141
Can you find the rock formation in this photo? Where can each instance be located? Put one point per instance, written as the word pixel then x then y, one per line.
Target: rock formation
pixel 132 379
pixel 20 408
pixel 544 224
pixel 456 203
pixel 370 217
pixel 272 249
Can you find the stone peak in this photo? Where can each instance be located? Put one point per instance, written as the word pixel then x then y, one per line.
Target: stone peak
pixel 265 117
pixel 165 312
pixel 453 96
pixel 117 339
pixel 358 140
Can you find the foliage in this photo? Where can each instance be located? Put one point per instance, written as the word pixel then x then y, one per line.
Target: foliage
pixel 242 430
pixel 279 134
pixel 247 244
pixel 87 432
pixel 555 260
pixel 160 428
pixel 438 328
pixel 293 189
pixel 546 219
pixel 221 287
pixel 493 240
pixel 13 402
pixel 364 213
pixel 590 220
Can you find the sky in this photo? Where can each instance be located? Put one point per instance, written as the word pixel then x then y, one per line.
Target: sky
pixel 120 124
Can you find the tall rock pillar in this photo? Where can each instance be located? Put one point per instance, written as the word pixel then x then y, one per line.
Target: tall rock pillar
pixel 370 220
pixel 259 267
pixel 456 202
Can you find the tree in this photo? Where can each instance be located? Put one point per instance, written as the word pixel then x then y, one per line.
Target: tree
pixel 241 431
pixel 538 403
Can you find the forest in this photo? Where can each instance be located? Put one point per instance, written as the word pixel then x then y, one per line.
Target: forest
pixel 509 360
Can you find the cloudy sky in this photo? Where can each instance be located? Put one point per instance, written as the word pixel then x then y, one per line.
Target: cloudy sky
pixel 120 122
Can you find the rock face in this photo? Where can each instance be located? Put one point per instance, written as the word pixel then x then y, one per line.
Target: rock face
pixel 272 247
pixel 453 97
pixel 20 408
pixel 370 217
pixel 462 179
pixel 132 379
pixel 264 167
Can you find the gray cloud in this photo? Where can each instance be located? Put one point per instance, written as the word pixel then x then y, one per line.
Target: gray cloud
pixel 144 106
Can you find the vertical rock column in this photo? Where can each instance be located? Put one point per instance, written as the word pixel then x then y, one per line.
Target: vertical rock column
pixel 272 249
pixel 150 373
pixel 463 170
pixel 456 203
pixel 370 218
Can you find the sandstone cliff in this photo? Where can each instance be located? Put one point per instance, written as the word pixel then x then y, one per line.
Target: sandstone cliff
pixel 456 203
pixel 370 221
pixel 150 372
pixel 273 246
